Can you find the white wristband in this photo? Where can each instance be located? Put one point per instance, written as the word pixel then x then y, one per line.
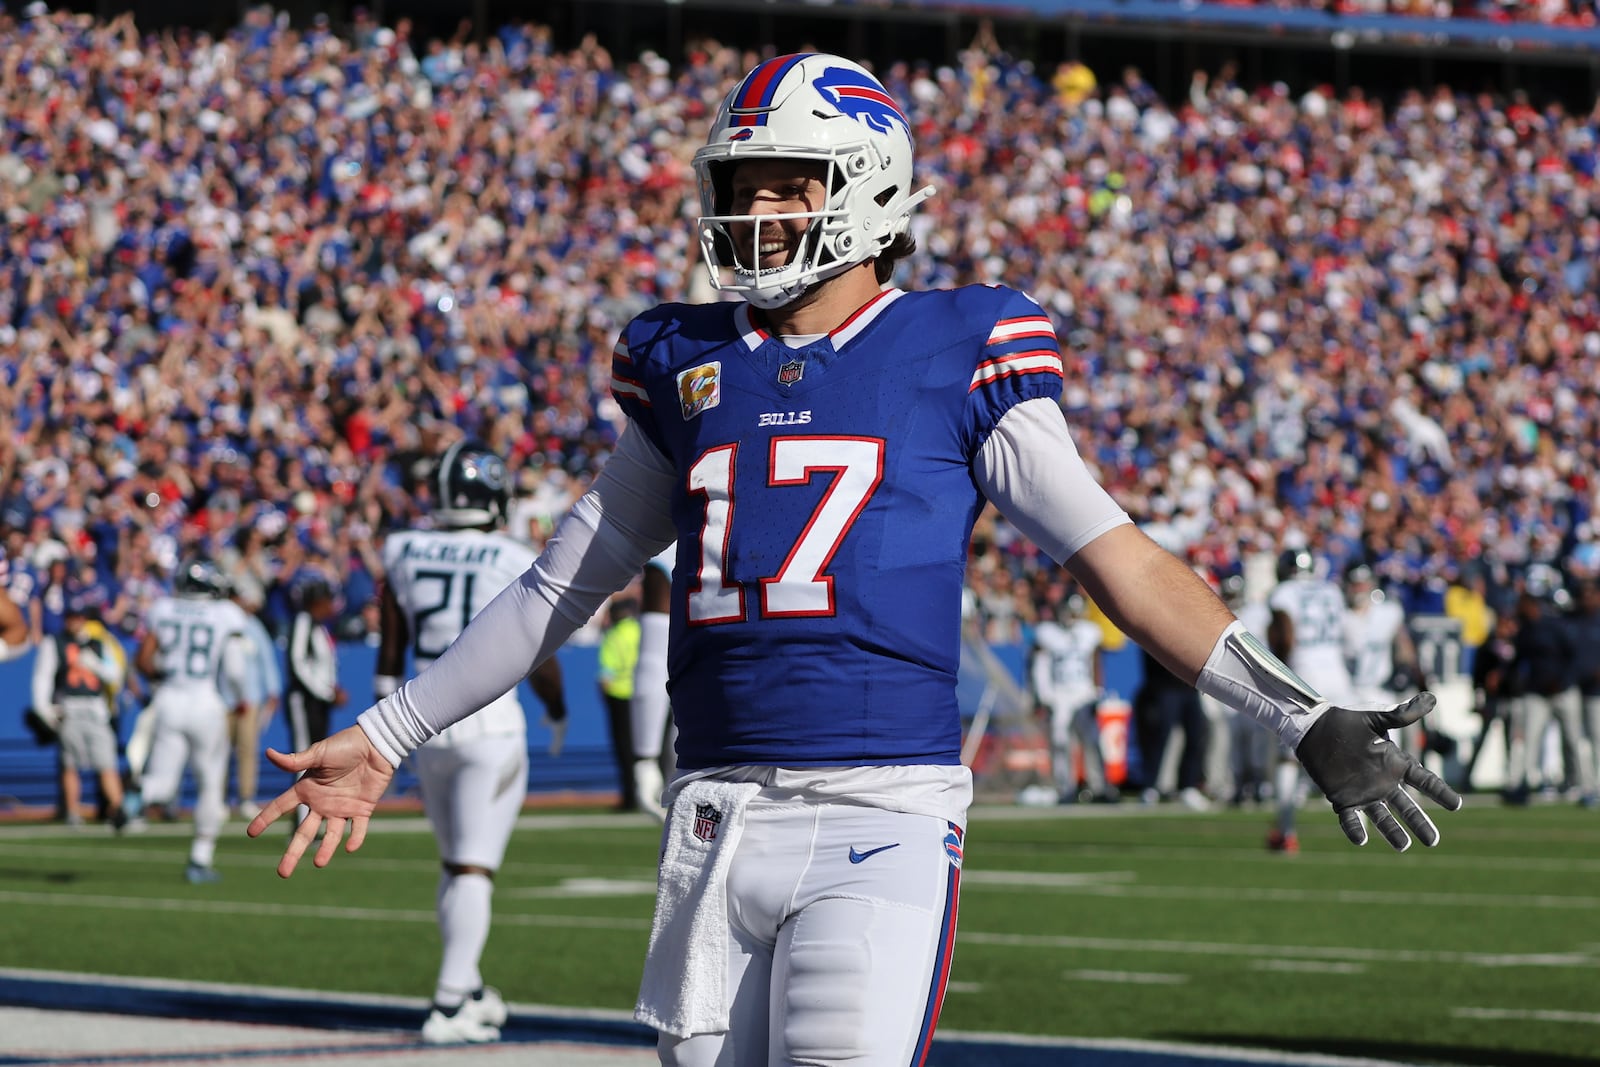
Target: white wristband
pixel 1244 675
pixel 9 652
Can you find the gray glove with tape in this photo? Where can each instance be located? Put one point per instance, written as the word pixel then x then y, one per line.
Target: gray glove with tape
pixel 1349 756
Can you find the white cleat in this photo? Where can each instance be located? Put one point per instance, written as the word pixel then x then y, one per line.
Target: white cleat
pixel 458 1027
pixel 487 1006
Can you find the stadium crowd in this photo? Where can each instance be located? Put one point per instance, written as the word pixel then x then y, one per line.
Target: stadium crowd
pixel 251 282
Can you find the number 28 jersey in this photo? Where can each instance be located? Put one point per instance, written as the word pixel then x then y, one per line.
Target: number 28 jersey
pixel 192 643
pixel 441 579
pixel 824 506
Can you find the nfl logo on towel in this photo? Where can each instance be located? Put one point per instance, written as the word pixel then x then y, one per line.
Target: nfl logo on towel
pixel 791 372
pixel 706 819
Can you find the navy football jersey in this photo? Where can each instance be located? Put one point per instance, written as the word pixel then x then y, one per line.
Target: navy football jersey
pixel 824 507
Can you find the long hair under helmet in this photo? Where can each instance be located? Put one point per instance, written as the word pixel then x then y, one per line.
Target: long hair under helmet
pixel 817 107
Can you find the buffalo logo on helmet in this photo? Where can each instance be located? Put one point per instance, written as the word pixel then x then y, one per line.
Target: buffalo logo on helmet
pixel 700 388
pixel 859 96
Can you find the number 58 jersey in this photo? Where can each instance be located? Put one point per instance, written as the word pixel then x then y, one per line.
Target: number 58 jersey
pixel 824 506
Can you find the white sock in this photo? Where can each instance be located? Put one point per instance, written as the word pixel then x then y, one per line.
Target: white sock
pixel 202 851
pixel 464 913
pixel 1287 784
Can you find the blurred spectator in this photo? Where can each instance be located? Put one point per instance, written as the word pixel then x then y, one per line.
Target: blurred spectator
pixel 1586 636
pixel 313 688
pixel 619 655
pixel 1545 662
pixel 77 673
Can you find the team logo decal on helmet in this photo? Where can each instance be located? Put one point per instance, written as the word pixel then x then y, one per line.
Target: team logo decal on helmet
pixel 474 489
pixel 861 97
pixel 199 577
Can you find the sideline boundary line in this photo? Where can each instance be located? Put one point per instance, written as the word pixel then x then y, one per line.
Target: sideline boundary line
pixel 547 1024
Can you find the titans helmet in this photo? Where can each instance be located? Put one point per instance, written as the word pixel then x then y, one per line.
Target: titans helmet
pixel 1296 563
pixel 199 577
pixel 472 485
pixel 828 110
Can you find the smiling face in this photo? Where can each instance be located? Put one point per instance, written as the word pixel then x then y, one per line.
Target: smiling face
pixel 774 187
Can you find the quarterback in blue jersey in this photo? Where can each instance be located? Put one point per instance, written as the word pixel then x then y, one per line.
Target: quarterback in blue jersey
pixel 819 452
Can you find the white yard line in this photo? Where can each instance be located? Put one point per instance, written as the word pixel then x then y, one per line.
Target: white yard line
pixel 1309 952
pixel 1539 1015
pixel 303 911
pixel 1125 977
pixel 1309 966
pixel 1584 960
pixel 1116 883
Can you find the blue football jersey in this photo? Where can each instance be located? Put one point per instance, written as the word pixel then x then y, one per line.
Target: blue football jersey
pixel 824 507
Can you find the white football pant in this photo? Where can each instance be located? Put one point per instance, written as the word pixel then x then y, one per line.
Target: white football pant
pixel 842 923
pixel 191 730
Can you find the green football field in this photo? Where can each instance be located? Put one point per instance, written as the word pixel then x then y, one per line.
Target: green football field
pixel 1113 922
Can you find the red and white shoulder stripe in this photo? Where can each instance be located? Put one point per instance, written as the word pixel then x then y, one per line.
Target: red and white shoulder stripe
pixel 1022 345
pixel 623 384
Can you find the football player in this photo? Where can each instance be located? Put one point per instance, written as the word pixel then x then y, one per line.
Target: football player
pixel 193 650
pixel 1306 631
pixel 474 775
pixel 1068 679
pixel 1378 648
pixel 820 451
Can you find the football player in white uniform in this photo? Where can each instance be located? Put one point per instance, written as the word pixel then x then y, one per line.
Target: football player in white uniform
pixel 1068 679
pixel 1379 649
pixel 193 652
pixel 1307 633
pixel 473 776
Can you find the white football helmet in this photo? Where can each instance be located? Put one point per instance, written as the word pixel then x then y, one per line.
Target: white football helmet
pixel 815 107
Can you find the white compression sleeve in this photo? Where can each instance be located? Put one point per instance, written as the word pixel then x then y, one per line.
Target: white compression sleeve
pixel 1030 469
pixel 650 706
pixel 600 544
pixel 1242 674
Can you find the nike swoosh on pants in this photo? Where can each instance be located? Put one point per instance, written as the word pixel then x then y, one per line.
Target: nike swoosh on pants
pixel 857 856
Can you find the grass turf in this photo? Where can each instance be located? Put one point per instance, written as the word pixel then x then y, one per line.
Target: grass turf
pixel 1128 923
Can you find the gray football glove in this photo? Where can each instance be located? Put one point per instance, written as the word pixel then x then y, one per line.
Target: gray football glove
pixel 1349 755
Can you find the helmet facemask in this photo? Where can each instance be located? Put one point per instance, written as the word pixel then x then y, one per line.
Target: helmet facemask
pixel 832 243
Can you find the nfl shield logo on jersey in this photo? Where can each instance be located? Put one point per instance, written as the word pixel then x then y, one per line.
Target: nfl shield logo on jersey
pixel 706 819
pixel 791 372
pixel 700 388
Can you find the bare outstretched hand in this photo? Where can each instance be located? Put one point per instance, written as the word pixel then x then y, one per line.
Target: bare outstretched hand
pixel 341 780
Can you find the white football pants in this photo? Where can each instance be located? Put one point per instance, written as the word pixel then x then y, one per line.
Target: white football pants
pixel 473 792
pixel 842 922
pixel 191 730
